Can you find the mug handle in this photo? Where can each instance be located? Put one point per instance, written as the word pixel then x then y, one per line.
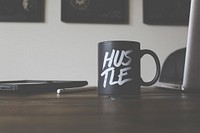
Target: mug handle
pixel 155 57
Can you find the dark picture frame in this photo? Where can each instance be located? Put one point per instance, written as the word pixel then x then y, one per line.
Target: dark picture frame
pixel 166 12
pixel 22 10
pixel 95 11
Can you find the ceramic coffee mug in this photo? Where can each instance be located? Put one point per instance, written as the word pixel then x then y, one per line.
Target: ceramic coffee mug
pixel 119 68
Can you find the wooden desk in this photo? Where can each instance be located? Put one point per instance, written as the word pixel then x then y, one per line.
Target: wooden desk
pixel 157 111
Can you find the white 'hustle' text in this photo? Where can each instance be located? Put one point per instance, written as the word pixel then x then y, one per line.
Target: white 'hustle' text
pixel 117 59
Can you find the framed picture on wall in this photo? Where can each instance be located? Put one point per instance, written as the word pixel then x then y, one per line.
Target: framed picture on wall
pixel 22 10
pixel 166 12
pixel 95 11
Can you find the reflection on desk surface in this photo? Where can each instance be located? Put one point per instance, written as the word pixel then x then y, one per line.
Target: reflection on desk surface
pixel 156 111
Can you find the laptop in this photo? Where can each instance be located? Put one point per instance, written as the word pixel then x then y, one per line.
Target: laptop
pixel 38 86
pixel 173 86
pixel 191 80
pixel 190 70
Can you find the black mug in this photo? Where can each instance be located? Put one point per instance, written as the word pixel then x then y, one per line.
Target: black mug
pixel 119 68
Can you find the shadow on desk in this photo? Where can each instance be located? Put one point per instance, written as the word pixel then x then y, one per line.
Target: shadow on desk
pixel 157 111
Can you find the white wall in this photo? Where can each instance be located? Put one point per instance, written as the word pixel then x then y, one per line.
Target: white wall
pixel 57 50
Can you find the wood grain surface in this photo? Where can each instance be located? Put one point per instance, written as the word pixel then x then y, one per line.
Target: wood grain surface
pixel 156 111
